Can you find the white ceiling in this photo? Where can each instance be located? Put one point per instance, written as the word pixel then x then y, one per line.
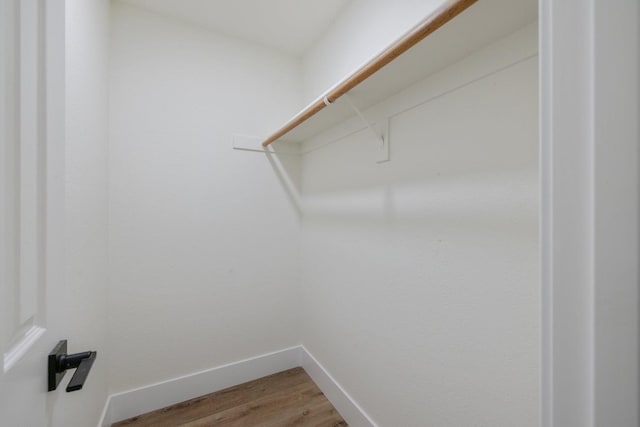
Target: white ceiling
pixel 288 25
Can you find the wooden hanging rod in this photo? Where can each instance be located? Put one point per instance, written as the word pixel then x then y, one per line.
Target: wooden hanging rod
pixel 436 20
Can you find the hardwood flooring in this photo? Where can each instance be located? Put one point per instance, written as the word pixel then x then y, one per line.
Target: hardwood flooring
pixel 288 398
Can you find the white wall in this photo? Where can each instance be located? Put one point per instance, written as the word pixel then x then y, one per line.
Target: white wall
pixel 203 239
pixel 86 275
pixel 361 30
pixel 421 274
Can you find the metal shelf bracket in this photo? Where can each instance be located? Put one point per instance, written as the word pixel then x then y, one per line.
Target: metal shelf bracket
pixel 383 152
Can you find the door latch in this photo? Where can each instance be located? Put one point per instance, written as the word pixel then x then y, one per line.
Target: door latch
pixel 59 362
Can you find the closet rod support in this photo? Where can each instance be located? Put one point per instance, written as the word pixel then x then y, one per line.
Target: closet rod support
pixel 383 153
pixel 363 118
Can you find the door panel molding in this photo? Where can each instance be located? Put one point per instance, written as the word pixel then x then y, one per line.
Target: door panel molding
pixel 24 124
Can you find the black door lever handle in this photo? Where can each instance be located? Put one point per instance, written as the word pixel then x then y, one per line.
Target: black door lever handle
pixel 60 362
pixel 80 375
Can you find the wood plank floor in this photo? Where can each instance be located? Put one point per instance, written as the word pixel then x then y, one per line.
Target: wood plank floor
pixel 288 398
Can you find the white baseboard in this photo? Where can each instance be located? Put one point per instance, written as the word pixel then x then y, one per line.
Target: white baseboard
pixel 121 406
pixel 127 404
pixel 352 413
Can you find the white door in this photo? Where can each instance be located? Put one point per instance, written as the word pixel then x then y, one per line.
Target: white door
pixel 31 204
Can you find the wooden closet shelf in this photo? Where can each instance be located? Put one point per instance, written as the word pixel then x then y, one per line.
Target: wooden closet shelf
pixel 436 20
pixel 419 53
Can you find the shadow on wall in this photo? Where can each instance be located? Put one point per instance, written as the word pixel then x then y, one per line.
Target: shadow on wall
pixel 500 200
pixel 464 160
pixel 286 168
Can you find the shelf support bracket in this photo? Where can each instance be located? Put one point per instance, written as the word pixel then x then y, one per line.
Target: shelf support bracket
pixel 382 140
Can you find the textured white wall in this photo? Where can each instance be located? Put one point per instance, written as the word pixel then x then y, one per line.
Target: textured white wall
pixel 203 239
pixel 421 275
pixel 86 266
